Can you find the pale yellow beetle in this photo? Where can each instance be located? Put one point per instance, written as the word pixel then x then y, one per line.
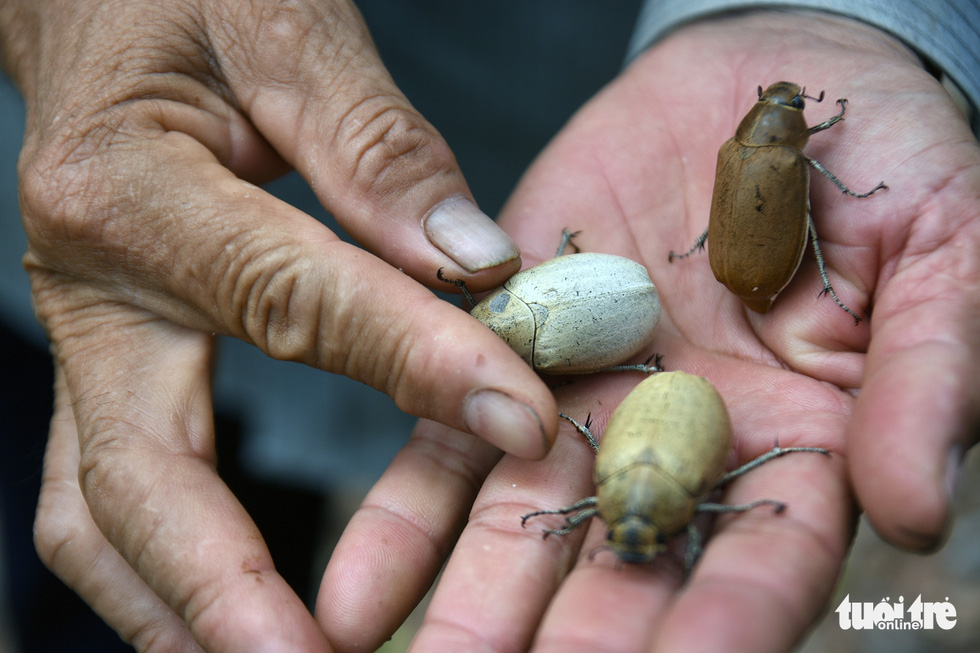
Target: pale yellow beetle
pixel 574 314
pixel 663 451
pixel 760 208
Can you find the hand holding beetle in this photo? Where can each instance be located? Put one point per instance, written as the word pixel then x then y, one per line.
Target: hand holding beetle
pixel 149 124
pixel 894 399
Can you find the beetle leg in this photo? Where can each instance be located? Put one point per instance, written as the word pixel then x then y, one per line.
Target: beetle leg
pixel 698 245
pixel 459 283
pixel 827 288
pixel 837 182
pixel 583 429
pixel 775 452
pixel 566 240
pixel 833 121
pixel 644 367
pixel 693 550
pixel 584 509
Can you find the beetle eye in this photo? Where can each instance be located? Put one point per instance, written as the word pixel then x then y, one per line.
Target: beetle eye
pixel 798 102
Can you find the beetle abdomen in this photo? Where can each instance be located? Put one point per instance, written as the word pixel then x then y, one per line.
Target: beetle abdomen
pixel 673 420
pixel 665 446
pixel 759 216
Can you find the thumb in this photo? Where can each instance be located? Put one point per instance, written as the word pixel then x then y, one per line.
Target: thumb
pixel 312 82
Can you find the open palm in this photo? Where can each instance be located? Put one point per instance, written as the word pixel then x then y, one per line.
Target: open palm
pixel 891 397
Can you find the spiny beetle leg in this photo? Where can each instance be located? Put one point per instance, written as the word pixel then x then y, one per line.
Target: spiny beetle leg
pixel 833 121
pixel 584 510
pixel 459 283
pixel 697 246
pixel 566 240
pixel 583 429
pixel 644 367
pixel 827 288
pixel 772 454
pixel 837 182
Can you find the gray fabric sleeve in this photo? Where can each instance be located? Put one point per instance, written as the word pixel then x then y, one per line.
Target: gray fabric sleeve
pixel 945 33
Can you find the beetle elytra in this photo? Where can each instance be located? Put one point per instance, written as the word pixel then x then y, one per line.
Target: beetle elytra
pixel 574 314
pixel 760 208
pixel 663 451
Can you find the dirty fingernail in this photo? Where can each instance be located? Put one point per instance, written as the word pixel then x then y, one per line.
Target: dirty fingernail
pixel 468 236
pixel 506 423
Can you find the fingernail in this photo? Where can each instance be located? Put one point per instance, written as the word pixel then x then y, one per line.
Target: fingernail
pixel 467 235
pixel 506 423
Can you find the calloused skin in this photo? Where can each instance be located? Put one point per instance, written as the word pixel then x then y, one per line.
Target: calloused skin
pixel 145 118
pixel 894 399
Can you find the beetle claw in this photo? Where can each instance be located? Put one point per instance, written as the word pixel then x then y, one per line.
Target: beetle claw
pixel 459 283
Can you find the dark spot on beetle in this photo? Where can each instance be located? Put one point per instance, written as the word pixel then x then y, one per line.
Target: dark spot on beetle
pixel 773 138
pixel 499 303
pixel 760 201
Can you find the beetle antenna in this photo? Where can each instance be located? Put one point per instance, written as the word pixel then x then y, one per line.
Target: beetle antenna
pixel 459 283
pixel 760 91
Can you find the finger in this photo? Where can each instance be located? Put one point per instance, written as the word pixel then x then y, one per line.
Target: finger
pixel 240 262
pixel 71 546
pixel 751 562
pixel 501 576
pixel 146 472
pixel 914 420
pixel 920 402
pixel 311 80
pixel 396 543
pixel 760 567
pixel 605 605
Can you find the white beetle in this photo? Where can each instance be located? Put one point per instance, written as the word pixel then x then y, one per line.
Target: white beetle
pixel 575 314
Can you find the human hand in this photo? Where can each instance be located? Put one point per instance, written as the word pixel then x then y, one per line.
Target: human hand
pixel 893 398
pixel 147 124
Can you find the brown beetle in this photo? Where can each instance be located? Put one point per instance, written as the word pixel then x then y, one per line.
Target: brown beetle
pixel 760 208
pixel 663 452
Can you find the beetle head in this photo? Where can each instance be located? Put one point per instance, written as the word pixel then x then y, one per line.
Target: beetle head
pixel 787 94
pixel 635 540
pixel 776 119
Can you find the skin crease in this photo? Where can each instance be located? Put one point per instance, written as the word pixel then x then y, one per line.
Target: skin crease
pixel 148 126
pixel 132 515
pixel 893 398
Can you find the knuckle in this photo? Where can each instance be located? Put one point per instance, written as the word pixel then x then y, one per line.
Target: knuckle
pixel 386 146
pixel 55 182
pixel 280 41
pixel 103 468
pixel 279 303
